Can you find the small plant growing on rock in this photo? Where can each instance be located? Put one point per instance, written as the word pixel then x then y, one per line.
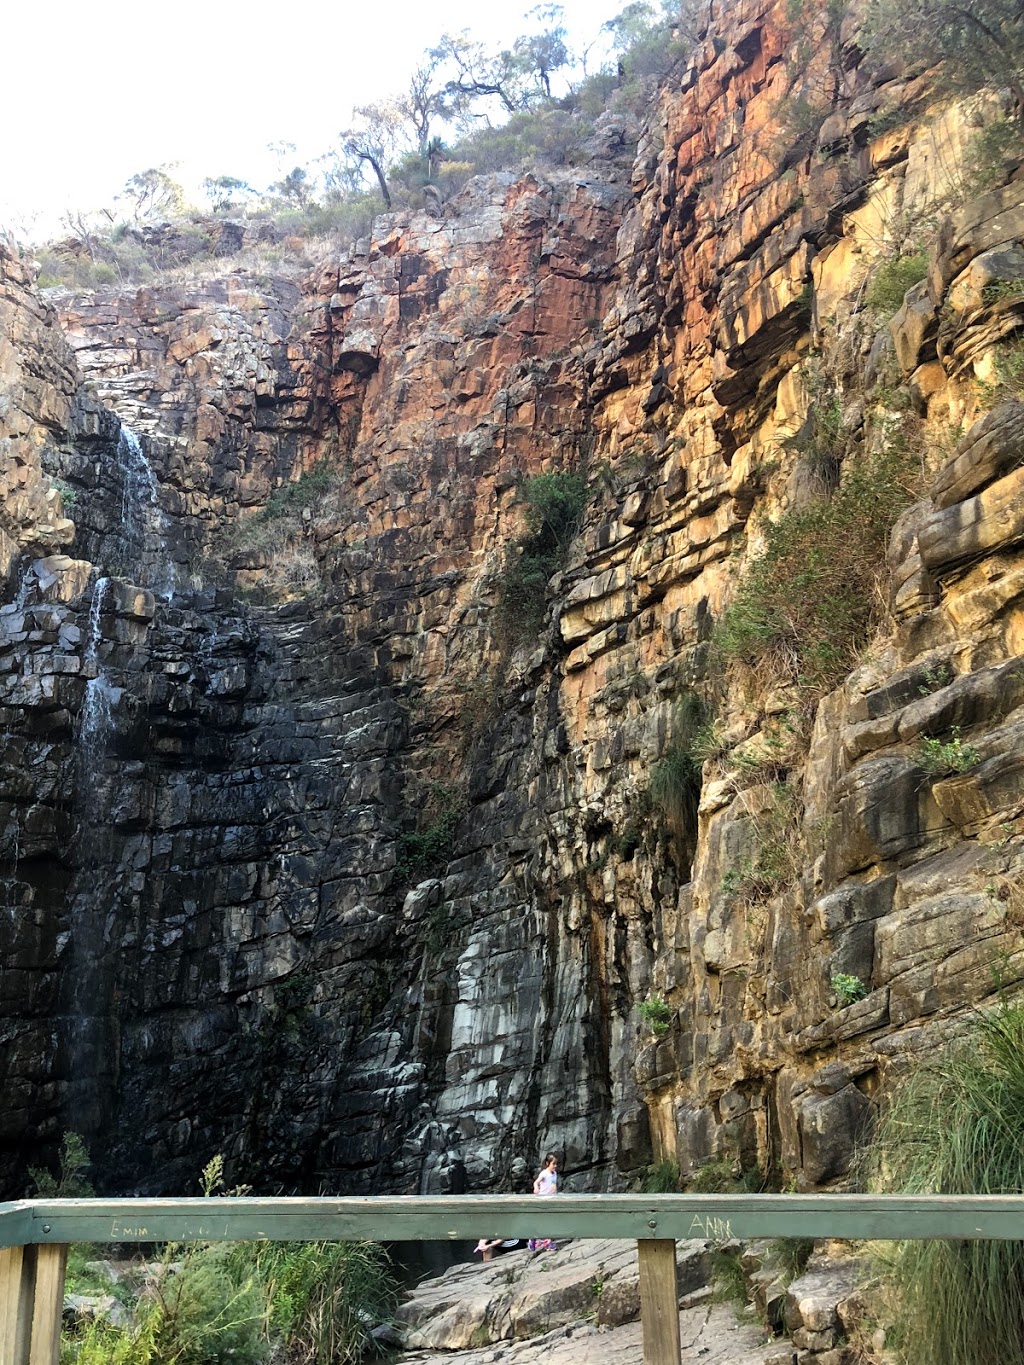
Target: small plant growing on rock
pixel 892 280
pixel 662 1177
pixel 713 1177
pixel 674 790
pixel 675 784
pixel 656 1014
pixel 1009 892
pixel 779 851
pixel 847 989
pixel 554 508
pixel 934 678
pixel 1008 381
pixel 68 495
pixel 942 757
pixel 806 606
pixel 427 850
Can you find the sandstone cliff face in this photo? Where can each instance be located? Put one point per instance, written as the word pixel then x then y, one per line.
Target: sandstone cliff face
pixel 210 940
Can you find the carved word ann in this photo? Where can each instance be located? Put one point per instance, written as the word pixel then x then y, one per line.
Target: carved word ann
pixel 719 1229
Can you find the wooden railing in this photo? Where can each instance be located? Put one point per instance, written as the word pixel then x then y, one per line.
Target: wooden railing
pixel 35 1234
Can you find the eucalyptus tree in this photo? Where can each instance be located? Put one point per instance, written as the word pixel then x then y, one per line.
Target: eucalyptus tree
pixel 974 44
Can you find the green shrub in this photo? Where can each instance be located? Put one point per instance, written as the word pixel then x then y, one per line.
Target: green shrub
pixel 713 1177
pixel 246 1303
pixel 625 845
pixel 847 989
pixel 941 757
pixel 892 279
pixel 805 608
pixel 662 1177
pixel 822 440
pixel 68 495
pixel 426 851
pixel 990 156
pixel 274 537
pixel 70 1182
pixel 656 1014
pixel 1008 362
pixel 954 1127
pixel 554 506
pixel 297 494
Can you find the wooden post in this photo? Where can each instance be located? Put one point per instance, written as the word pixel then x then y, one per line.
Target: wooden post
pixel 659 1302
pixel 17 1282
pixel 51 1263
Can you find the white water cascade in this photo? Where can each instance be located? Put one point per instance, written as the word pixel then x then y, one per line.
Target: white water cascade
pixel 144 528
pixel 97 714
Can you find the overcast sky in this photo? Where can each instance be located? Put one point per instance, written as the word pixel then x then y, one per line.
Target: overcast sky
pixel 97 90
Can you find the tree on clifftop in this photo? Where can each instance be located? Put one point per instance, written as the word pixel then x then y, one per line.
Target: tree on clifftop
pixel 980 43
pixel 518 77
pixel 376 138
pixel 152 195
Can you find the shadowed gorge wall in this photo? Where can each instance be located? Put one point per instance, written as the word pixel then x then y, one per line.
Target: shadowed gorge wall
pixel 218 931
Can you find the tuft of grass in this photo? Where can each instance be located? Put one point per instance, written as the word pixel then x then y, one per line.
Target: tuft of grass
pixel 674 788
pixel 954 1127
pixel 791 1255
pixel 322 1297
pixel 675 785
pixel 730 1283
pixel 806 607
pixel 713 1177
pixel 662 1178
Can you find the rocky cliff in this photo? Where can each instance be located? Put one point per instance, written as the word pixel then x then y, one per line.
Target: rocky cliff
pixel 310 858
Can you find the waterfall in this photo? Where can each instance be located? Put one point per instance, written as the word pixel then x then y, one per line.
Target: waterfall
pixel 26 579
pixel 99 591
pixel 88 1038
pixel 97 716
pixel 144 528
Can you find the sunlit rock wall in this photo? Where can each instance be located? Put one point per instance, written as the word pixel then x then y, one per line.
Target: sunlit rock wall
pixel 215 943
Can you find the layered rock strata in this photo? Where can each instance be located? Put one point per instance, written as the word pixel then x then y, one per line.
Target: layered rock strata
pixel 220 888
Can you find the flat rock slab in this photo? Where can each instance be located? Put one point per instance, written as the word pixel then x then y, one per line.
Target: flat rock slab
pixel 710 1334
pixel 522 1294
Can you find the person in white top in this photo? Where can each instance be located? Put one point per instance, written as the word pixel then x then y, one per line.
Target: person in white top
pixel 547 1177
pixel 545 1185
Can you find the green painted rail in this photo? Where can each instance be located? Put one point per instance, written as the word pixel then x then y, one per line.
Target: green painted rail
pixel 35 1233
pixel 859 1217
